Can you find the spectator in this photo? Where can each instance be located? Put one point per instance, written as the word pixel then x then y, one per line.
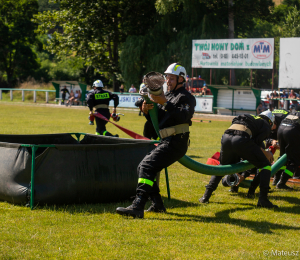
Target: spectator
pixel 141 86
pixel 271 101
pixel 122 89
pixel 276 102
pixel 204 91
pixel 261 108
pixel 132 89
pixel 77 97
pixel 71 98
pixel 143 83
pixel 187 84
pixel 284 95
pixel 64 91
pixel 292 95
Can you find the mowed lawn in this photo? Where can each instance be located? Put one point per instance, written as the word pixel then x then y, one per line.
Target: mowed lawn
pixel 229 227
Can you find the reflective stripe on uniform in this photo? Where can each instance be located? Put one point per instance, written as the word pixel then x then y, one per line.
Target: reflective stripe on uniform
pixel 256 117
pixel 101 95
pixel 288 172
pixel 277 111
pixel 97 133
pixel 283 168
pixel 146 181
pixel 104 133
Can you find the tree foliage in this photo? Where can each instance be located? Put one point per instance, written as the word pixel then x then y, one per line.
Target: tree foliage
pixel 181 22
pixel 95 29
pixel 291 25
pixel 17 60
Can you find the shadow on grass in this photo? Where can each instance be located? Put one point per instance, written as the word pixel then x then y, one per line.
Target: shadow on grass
pixel 262 227
pixel 110 207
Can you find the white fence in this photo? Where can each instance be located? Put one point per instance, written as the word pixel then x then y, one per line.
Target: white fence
pixel 23 93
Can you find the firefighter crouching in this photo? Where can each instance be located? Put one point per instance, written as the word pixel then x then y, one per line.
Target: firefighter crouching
pixel 243 139
pixel 289 142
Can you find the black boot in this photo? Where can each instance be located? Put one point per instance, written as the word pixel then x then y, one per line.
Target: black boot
pixel 251 192
pixel 135 210
pixel 254 184
pixel 263 201
pixel 276 178
pixel 234 189
pixel 282 183
pixel 207 194
pixel 297 173
pixel 157 204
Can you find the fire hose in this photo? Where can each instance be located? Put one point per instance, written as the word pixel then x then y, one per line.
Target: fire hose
pixel 193 165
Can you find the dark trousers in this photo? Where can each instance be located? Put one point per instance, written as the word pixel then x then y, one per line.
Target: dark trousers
pixel 168 151
pixel 233 148
pixel 101 124
pixel 289 141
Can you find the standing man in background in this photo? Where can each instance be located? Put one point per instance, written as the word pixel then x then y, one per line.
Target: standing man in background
pixel 63 91
pixel 98 101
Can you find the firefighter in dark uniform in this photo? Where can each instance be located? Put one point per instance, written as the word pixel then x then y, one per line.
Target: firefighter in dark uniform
pixel 272 145
pixel 176 109
pixel 98 101
pixel 242 140
pixel 289 142
pixel 280 115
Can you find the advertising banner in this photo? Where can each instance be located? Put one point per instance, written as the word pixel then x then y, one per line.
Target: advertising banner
pixel 233 53
pixel 289 76
pixel 204 104
pixel 126 100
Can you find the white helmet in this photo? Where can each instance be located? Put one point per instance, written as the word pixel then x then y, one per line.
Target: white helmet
pixel 98 84
pixel 268 115
pixel 176 69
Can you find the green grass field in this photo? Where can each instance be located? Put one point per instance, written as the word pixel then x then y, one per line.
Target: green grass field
pixel 229 227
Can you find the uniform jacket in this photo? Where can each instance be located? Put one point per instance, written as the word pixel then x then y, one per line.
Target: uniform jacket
pixel 259 127
pixel 100 96
pixel 179 109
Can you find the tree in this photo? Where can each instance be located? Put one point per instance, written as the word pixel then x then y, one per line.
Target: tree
pixel 94 30
pixel 236 15
pixel 17 60
pixel 45 5
pixel 291 25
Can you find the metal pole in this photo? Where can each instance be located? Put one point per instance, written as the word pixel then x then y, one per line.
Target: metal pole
pixel 192 80
pixel 167 182
pixel 215 76
pixel 34 148
pixel 0 94
pixel 273 68
pixel 47 97
pixel 210 77
pixel 34 96
pixel 11 95
pixel 230 78
pixel 251 78
pixel 23 95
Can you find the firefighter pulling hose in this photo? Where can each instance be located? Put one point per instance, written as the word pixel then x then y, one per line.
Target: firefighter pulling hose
pixel 175 111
